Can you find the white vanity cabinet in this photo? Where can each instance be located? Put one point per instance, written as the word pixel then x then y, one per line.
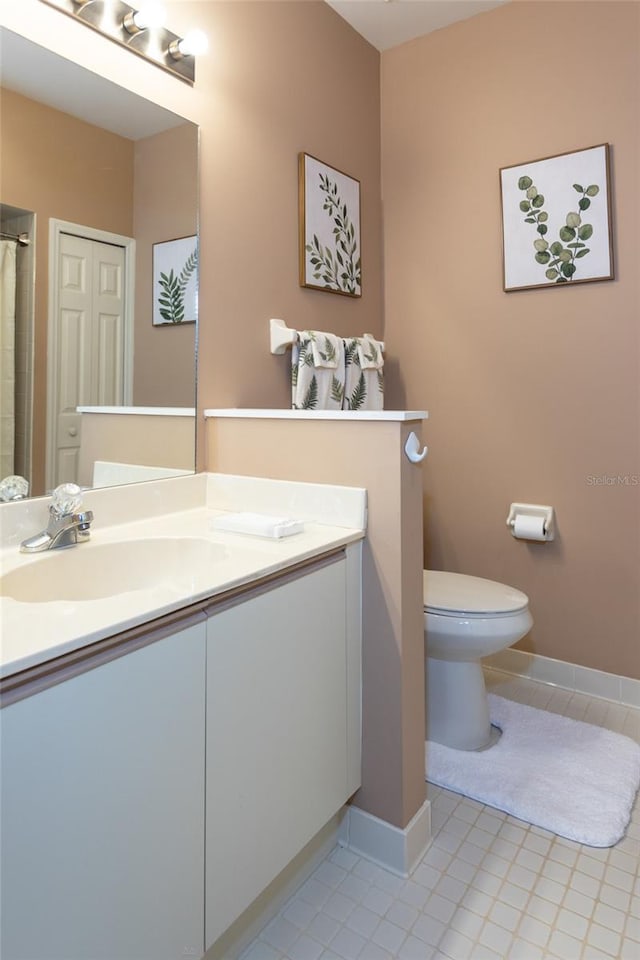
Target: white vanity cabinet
pixel 154 785
pixel 102 809
pixel 283 727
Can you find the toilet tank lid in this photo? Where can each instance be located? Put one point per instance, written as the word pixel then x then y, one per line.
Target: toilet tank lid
pixel 459 593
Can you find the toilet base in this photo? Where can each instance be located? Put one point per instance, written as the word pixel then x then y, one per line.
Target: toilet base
pixel 457 709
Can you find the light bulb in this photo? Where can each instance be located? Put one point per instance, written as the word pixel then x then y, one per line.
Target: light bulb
pixel 194 44
pixel 150 16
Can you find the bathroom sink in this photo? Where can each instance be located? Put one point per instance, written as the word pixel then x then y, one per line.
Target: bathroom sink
pixel 95 571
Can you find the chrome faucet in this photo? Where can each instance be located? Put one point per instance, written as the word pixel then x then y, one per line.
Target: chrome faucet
pixel 67 524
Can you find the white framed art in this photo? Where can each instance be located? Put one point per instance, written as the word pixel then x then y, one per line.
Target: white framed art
pixel 556 220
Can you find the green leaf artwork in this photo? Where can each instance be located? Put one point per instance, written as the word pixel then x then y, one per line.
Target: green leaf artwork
pixel 171 298
pixel 337 267
pixel 558 257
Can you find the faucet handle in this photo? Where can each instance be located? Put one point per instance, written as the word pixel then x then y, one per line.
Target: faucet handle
pixel 66 499
pixel 13 488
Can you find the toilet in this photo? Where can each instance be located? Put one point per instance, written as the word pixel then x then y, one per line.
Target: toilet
pixel 465 619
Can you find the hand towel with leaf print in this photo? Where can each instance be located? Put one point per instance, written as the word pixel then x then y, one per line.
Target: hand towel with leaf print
pixel 364 380
pixel 317 371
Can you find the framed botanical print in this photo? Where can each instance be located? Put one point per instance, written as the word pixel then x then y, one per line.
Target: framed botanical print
pixel 556 220
pixel 175 281
pixel 329 228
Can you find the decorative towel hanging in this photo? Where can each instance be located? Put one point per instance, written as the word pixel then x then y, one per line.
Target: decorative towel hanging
pixel 364 379
pixel 317 371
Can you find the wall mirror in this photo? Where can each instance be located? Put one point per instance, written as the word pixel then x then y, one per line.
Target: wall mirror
pixel 97 183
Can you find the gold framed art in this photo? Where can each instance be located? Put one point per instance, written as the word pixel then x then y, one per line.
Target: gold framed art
pixel 329 228
pixel 556 220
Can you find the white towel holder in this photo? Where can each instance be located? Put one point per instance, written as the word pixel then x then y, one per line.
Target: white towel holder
pixel 281 336
pixel 412 449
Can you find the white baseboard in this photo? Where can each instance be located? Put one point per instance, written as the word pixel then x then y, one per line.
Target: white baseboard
pixel 395 849
pixel 570 676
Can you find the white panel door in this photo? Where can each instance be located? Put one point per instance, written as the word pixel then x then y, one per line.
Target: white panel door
pixel 75 274
pixel 90 340
pixel 108 348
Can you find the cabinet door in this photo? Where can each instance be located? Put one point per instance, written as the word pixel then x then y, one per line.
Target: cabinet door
pixel 103 810
pixel 276 734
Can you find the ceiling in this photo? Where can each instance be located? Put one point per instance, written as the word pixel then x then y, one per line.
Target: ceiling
pixel 387 23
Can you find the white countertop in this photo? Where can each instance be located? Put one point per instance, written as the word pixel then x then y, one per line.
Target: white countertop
pixel 287 414
pixel 142 411
pixel 33 633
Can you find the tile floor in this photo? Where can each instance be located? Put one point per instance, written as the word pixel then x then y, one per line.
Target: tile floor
pixel 490 887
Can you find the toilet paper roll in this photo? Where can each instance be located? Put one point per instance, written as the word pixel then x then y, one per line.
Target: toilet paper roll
pixel 528 528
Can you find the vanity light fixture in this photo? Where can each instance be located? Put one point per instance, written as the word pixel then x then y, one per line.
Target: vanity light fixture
pixel 140 30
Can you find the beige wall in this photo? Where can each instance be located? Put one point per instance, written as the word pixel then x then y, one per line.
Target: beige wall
pixel 57 166
pixel 144 440
pixel 282 78
pixel 165 208
pixel 348 452
pixel 530 393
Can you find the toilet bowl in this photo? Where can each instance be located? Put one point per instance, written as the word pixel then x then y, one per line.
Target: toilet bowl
pixel 465 619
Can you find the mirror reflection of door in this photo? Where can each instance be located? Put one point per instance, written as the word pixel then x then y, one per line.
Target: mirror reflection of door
pixel 89 342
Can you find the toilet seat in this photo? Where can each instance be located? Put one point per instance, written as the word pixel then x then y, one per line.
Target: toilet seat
pixel 458 595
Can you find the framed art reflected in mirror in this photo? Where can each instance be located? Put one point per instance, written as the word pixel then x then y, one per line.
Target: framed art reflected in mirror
pixel 175 281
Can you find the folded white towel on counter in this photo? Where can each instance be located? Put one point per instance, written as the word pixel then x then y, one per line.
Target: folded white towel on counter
pixel 258 525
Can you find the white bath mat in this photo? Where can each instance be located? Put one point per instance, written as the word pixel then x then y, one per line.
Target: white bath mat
pixel 572 778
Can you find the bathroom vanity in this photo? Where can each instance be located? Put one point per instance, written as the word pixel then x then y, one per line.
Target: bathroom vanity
pixel 159 774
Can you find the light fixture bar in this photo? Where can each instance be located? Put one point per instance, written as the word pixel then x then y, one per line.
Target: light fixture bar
pixel 115 20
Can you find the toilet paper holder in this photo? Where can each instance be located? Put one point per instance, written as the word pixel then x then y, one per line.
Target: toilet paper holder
pixel 536 510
